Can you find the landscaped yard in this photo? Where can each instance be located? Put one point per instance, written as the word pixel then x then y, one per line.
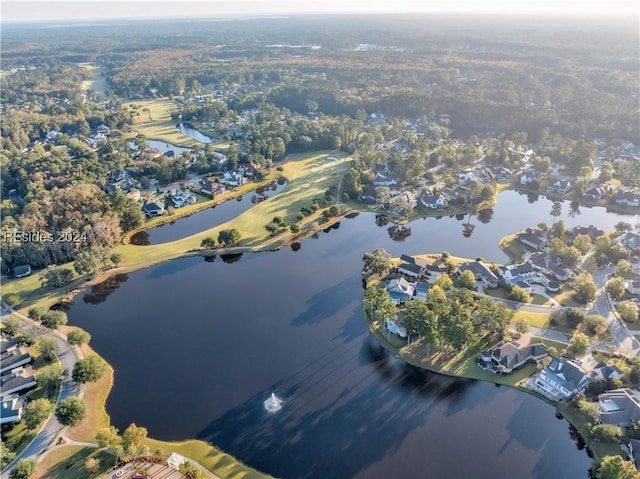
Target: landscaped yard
pixel 69 463
pixel 512 247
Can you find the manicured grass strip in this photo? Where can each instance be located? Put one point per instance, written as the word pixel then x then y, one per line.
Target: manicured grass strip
pixel 213 459
pixel 95 395
pixel 69 463
pixel 538 320
pixel 512 247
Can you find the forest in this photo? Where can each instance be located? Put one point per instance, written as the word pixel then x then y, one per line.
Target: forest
pixel 470 85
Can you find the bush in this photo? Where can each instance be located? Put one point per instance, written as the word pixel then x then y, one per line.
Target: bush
pixel 24 469
pixel 11 299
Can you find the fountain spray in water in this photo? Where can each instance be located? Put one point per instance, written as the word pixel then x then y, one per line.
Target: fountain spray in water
pixel 273 404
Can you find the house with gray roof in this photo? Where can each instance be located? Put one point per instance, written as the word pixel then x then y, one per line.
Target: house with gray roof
pixel 629 239
pixel 422 290
pixel 400 290
pixel 11 409
pixel 560 186
pixel 627 198
pixel 620 407
pixel 153 208
pixel 534 238
pixel 434 202
pixel 17 381
pixel 517 273
pixel 591 231
pixel 550 265
pixel 604 370
pixel 507 356
pixel 481 272
pixel 562 378
pixel 13 357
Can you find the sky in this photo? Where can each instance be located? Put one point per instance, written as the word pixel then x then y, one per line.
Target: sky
pixel 38 10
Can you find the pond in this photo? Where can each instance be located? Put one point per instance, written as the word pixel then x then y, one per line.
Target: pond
pixel 164 147
pixel 199 345
pixel 197 222
pixel 188 130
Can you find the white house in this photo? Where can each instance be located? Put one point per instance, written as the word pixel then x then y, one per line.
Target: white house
pixel 562 378
pixel 434 201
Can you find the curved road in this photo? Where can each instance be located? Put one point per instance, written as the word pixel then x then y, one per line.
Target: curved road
pixel 68 356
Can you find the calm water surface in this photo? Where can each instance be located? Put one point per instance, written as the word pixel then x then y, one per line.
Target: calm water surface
pixel 198 346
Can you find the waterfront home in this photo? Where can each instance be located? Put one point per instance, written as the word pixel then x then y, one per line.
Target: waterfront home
pixel 183 198
pixel 507 356
pixel 562 378
pixel 231 178
pixel 629 239
pixel 530 177
pixel 410 266
pixel 560 186
pixel 595 193
pixel 635 264
pixel 16 381
pixel 211 187
pixel 627 198
pixel 393 327
pixel 620 407
pixel 482 273
pixel 591 231
pixel 21 271
pixel 11 409
pixel 369 196
pixel 434 201
pixel 153 208
pixel 533 237
pixel 400 290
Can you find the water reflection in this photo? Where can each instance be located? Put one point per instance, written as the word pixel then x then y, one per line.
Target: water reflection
pixel 485 215
pixel 231 258
pixel 398 233
pixel 188 130
pixel 101 291
pixel 295 246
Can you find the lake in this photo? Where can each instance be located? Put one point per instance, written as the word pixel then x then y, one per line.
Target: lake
pixel 164 147
pixel 187 130
pixel 214 216
pixel 198 345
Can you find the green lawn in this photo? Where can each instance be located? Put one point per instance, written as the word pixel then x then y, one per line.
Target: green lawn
pixel 512 247
pixel 69 463
pixel 599 449
pixel 213 459
pixel 538 320
pixel 565 297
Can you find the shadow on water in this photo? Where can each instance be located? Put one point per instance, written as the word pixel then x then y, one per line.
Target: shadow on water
pixel 326 303
pixel 101 291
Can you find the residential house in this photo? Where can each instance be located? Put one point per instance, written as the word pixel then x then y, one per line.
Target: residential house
pixel 560 186
pixel 634 452
pixel 562 378
pixel 635 264
pixel 211 187
pixel 627 198
pixel 595 193
pixel 153 208
pixel 633 286
pixel 531 177
pixel 481 272
pixel 16 381
pixel 502 174
pixel 369 196
pixel 519 273
pixel 550 265
pixel 384 180
pixel 400 290
pixel 507 356
pixel 591 231
pixel 21 271
pixel 629 239
pixel 434 201
pixel 620 407
pixel 397 204
pixel 134 194
pixel 466 177
pixel 11 409
pixel 410 266
pixel 182 198
pixel 103 130
pixel 13 357
pixel 604 370
pixel 422 290
pixel 395 328
pixel 231 178
pixel 534 238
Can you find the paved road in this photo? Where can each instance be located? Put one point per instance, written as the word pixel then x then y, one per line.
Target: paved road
pixel 68 358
